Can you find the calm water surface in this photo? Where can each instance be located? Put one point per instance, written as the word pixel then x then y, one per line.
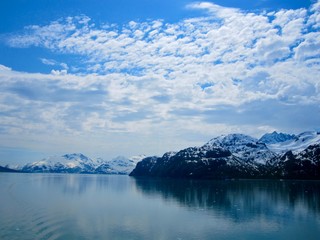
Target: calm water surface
pixel 61 206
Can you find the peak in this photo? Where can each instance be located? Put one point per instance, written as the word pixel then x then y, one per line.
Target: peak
pixel 137 158
pixel 239 136
pixel 72 154
pixel 75 156
pixel 169 154
pixel 233 137
pixel 275 137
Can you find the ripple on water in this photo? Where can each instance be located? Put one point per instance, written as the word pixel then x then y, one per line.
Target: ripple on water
pixel 25 218
pixel 50 227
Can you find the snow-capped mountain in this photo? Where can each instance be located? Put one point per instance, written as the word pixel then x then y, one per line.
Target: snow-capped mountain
pixel 234 155
pixel 300 165
pixel 68 163
pixel 79 163
pixel 119 165
pixel 243 146
pixel 241 156
pixel 274 155
pixel 296 144
pixel 275 137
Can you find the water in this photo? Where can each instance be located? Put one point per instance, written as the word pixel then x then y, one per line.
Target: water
pixel 60 206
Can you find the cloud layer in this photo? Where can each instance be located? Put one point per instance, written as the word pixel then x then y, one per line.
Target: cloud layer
pixel 225 71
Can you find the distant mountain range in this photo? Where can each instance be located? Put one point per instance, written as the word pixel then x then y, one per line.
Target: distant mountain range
pixel 274 155
pixel 79 163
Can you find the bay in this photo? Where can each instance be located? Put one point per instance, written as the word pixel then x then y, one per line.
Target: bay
pixel 71 206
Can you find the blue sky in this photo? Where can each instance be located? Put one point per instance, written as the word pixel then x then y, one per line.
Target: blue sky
pixel 110 78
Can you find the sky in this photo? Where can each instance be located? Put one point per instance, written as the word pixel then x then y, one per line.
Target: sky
pixel 108 78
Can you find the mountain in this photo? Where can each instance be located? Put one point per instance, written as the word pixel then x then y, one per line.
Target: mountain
pixel 302 165
pixel 247 148
pixel 240 156
pixel 234 155
pixel 68 163
pixel 119 165
pixel 275 137
pixel 297 143
pixel 5 169
pixel 79 163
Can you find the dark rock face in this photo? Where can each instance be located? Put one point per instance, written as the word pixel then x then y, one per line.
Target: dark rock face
pixel 5 169
pixel 304 165
pixel 233 156
pixel 194 163
pixel 145 167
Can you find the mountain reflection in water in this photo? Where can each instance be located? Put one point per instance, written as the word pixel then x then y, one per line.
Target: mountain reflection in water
pixel 72 206
pixel 241 199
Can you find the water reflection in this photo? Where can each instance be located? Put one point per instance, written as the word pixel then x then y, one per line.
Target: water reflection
pixel 239 200
pixel 62 206
pixel 76 184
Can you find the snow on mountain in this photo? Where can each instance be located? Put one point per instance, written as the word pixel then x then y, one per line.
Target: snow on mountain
pixel 275 137
pixel 236 155
pixel 297 144
pixel 138 158
pixel 119 165
pixel 243 146
pixel 311 153
pixel 79 163
pixel 240 156
pixel 68 163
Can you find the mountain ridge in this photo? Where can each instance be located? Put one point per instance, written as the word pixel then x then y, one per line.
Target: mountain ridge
pixel 241 156
pixel 79 163
pixel 275 137
pixel 274 155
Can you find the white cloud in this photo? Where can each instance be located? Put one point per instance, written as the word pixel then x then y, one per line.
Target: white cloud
pixel 4 68
pixel 59 72
pixel 309 48
pixel 217 10
pixel 50 62
pixel 196 76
